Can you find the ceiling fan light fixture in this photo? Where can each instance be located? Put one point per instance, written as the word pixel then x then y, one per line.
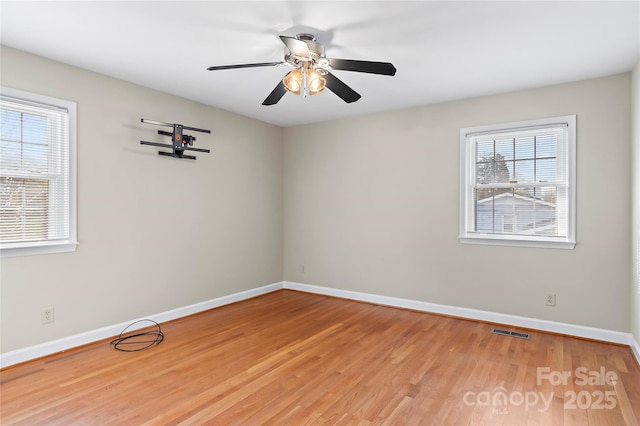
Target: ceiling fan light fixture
pixel 315 82
pixel 293 81
pixel 309 82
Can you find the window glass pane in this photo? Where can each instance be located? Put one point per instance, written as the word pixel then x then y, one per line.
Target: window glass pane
pixel 34 158
pixel 525 148
pixel 539 217
pixel 511 167
pixel 546 146
pixel 492 172
pixel 484 150
pixel 484 173
pixel 24 205
pixel 502 172
pixel 483 201
pixel 35 129
pixel 504 148
pixel 525 192
pixel 546 170
pixel 10 125
pixel 525 170
pixel 547 194
pixel 36 194
pixel 10 155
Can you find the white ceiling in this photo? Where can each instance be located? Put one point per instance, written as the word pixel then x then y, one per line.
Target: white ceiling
pixel 443 50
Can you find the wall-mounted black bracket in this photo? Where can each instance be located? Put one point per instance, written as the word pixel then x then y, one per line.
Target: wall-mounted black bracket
pixel 180 142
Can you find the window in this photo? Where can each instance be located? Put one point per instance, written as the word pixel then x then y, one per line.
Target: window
pixel 517 183
pixel 37 174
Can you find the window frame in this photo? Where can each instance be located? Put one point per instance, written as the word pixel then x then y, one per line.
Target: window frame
pixel 467 234
pixel 27 248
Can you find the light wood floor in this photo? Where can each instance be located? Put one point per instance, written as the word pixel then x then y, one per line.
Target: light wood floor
pixel 295 358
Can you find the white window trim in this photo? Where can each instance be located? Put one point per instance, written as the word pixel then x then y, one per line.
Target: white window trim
pixel 60 246
pixel 466 207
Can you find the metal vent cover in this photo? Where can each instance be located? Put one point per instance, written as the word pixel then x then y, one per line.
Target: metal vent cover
pixel 510 333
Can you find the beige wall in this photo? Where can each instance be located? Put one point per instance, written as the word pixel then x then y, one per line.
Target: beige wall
pixel 367 204
pixel 155 233
pixel 635 244
pixel 371 205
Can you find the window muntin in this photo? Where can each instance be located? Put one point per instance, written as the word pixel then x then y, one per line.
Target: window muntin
pixel 37 174
pixel 518 183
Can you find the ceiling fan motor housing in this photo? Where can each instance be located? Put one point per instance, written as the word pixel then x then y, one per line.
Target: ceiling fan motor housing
pixel 316 50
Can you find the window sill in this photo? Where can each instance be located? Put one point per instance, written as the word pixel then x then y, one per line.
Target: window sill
pixel 14 250
pixel 499 240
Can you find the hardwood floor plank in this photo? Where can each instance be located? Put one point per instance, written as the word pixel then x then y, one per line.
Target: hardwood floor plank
pixel 295 358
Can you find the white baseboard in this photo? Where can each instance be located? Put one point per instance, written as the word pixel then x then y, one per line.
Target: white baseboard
pixel 635 348
pixel 474 314
pixel 60 345
pixel 32 352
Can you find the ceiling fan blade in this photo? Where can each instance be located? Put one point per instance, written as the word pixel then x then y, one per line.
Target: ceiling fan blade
pixel 338 87
pixel 296 47
pixel 229 67
pixel 275 95
pixel 383 68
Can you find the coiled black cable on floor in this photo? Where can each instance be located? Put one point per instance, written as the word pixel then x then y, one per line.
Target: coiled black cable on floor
pixel 138 339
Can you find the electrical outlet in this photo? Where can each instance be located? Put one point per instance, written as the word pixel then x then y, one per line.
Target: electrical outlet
pixel 550 299
pixel 302 268
pixel 46 315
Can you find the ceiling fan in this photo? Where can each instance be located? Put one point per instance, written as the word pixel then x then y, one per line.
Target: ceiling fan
pixel 312 70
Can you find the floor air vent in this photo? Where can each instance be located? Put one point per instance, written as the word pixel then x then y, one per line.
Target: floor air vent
pixel 510 333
